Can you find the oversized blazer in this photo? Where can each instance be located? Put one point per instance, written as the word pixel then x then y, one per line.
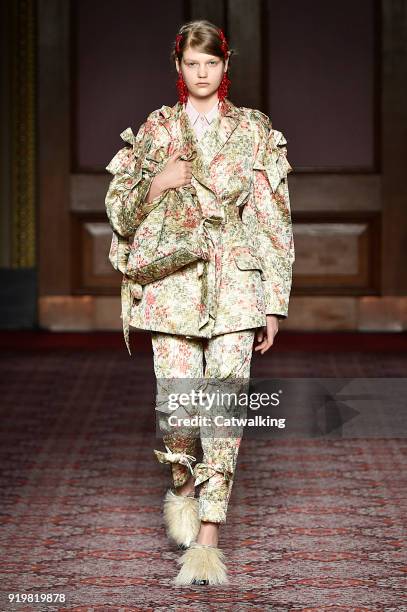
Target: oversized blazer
pixel 239 175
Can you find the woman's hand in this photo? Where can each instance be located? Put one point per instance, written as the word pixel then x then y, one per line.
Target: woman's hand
pixel 176 173
pixel 265 335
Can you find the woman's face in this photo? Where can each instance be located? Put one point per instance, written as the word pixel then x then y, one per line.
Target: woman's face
pixel 202 73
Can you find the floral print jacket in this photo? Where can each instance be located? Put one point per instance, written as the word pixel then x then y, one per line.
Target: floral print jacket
pixel 239 176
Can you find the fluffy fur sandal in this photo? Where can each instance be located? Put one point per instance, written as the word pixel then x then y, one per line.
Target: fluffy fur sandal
pixel 202 564
pixel 181 518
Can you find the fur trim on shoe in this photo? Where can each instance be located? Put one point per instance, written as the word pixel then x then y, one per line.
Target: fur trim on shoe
pixel 181 517
pixel 202 562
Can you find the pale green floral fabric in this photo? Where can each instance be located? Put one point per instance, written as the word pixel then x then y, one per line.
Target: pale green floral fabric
pixel 239 183
pixel 226 370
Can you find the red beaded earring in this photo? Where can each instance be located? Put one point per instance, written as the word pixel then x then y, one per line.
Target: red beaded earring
pixel 225 82
pixel 182 88
pixel 223 87
pixel 181 85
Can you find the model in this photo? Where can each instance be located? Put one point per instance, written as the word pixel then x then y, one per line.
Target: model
pixel 200 212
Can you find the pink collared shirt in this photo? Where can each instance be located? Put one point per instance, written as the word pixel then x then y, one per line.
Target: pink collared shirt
pixel 201 121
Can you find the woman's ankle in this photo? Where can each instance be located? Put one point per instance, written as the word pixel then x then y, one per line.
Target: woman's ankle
pixel 208 534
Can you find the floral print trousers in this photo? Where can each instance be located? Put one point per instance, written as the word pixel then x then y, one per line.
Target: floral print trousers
pixel 217 364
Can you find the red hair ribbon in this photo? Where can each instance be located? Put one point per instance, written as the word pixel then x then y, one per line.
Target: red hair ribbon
pixel 177 43
pixel 224 44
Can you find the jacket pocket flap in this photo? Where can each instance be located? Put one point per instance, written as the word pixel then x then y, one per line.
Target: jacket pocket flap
pixel 246 260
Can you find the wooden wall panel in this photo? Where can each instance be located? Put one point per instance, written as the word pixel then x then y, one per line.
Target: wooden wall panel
pixel 394 151
pixel 93 272
pixel 54 124
pixel 338 256
pixel 322 81
pixel 121 71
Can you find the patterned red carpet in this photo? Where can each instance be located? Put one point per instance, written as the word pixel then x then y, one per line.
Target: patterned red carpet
pixel 313 526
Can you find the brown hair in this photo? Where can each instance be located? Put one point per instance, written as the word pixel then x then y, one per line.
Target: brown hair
pixel 203 36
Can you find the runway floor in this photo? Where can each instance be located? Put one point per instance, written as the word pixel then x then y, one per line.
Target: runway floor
pixel 314 525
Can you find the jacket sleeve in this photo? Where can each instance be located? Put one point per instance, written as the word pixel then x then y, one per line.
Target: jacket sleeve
pixel 133 169
pixel 271 203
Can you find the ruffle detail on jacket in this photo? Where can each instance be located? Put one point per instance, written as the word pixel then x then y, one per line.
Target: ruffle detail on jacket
pixel 119 252
pixel 120 160
pixel 140 156
pixel 273 159
pixel 204 471
pixel 170 457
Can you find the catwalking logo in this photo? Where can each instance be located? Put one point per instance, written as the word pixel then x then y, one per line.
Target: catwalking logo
pixel 221 421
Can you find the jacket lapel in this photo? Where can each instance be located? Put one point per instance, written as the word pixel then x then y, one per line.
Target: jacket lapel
pixel 226 123
pixel 202 156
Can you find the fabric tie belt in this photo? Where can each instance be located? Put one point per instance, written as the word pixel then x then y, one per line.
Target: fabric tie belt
pixel 206 271
pixel 126 296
